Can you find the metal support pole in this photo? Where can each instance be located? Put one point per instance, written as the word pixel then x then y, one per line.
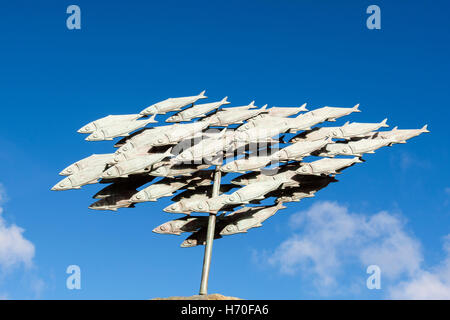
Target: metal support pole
pixel 210 237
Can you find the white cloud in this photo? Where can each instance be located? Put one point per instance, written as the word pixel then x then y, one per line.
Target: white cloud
pixel 15 249
pixel 406 160
pixel 330 242
pixel 330 237
pixel 431 284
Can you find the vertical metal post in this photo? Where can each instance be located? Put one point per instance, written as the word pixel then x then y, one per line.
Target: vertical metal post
pixel 210 236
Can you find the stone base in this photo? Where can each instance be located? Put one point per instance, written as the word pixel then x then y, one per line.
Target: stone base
pixel 213 296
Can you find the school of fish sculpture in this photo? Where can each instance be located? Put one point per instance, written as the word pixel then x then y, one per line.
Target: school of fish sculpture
pixel 278 154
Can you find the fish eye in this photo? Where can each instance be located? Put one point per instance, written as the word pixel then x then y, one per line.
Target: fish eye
pixel 345 150
pixel 173 207
pixel 62 184
pixel 160 140
pixel 109 173
pixel 183 155
pixel 138 196
pixel 334 133
pixel 200 206
pixel 87 128
pixel 304 169
pixel 69 170
pixel 125 148
pixel 230 228
pixel 162 228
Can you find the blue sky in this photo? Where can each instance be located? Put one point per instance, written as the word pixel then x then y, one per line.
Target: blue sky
pixel 392 210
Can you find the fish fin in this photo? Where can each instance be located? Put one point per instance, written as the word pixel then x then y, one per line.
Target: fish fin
pixel 152 119
pixel 356 108
pixel 280 205
pixel 225 101
pixel 168 152
pixel 303 107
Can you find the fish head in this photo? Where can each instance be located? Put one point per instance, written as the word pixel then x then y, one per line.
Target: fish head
pixel 345 149
pixel 189 242
pixel 89 128
pixel 64 184
pixel 165 228
pixel 175 207
pixel 338 148
pixel 140 196
pixel 304 169
pixel 174 118
pixel 153 109
pixel 112 172
pixel 231 198
pixel 229 229
pixel 246 126
pixel 334 133
pixel 119 157
pixel 127 147
pixel 160 172
pixel 161 140
pixel 185 156
pixel 99 205
pixel 73 168
pixel 97 135
pixel 229 167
